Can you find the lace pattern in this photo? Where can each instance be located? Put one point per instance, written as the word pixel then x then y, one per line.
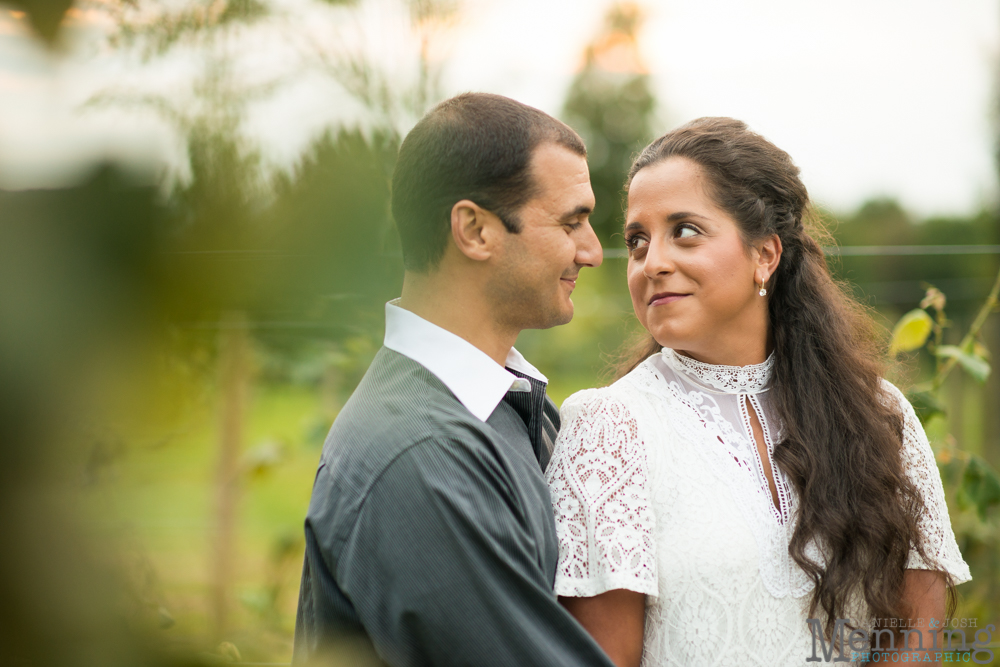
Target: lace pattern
pixel 920 466
pixel 657 487
pixel 599 487
pixel 733 459
pixel 727 379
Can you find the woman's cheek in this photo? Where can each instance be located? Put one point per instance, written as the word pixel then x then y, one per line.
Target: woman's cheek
pixel 637 290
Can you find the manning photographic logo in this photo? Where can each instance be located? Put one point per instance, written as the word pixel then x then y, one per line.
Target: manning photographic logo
pixel 949 642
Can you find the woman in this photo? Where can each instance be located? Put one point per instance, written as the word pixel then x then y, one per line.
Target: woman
pixel 752 470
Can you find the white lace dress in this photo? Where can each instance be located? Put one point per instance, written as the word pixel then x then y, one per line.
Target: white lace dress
pixel 658 488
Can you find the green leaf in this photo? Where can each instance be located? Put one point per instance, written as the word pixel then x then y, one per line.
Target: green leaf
pixel 911 332
pixel 980 487
pixel 264 457
pixel 951 469
pixel 925 403
pixel 973 364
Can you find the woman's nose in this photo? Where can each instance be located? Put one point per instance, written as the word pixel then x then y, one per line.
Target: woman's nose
pixel 659 258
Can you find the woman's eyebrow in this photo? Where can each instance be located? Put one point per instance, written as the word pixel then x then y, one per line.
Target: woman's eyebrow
pixel 633 225
pixel 680 215
pixel 673 217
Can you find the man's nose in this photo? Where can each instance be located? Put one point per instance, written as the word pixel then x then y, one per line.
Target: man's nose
pixel 659 258
pixel 588 249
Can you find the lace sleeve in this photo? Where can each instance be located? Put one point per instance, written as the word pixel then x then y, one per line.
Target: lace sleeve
pixel 598 480
pixel 934 522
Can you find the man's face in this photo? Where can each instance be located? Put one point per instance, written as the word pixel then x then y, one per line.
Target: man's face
pixel 537 268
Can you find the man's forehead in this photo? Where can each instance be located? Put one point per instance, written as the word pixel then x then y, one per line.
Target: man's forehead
pixel 558 171
pixel 551 150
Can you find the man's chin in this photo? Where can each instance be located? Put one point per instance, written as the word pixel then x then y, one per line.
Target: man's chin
pixel 563 316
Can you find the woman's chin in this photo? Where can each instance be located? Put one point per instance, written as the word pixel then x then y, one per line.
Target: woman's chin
pixel 671 339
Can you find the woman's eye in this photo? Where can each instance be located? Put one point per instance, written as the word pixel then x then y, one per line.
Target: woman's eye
pixel 686 232
pixel 635 243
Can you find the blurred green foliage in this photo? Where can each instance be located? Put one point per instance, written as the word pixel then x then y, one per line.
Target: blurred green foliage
pixel 77 295
pixel 46 16
pixel 897 281
pixel 610 103
pixel 971 478
pixel 113 297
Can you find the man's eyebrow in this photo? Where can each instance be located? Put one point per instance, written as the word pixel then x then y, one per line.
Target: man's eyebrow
pixel 576 213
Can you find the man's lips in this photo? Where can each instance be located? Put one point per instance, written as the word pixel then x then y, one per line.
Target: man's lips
pixel 571 281
pixel 662 298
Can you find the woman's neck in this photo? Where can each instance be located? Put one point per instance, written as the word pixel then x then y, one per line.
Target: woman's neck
pixel 749 351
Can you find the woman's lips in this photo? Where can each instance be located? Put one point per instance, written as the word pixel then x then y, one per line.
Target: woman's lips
pixel 665 298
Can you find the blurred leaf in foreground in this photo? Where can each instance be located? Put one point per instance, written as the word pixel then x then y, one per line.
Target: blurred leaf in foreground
pixel 980 487
pixel 77 293
pixel 45 15
pixel 911 332
pixel 973 364
pixel 925 403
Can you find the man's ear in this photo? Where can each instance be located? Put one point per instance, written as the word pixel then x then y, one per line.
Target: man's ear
pixel 768 257
pixel 474 230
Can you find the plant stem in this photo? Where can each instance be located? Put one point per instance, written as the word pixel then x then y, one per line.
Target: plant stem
pixel 939 323
pixel 988 307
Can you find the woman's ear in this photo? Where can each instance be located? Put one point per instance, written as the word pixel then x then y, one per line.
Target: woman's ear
pixel 473 230
pixel 768 257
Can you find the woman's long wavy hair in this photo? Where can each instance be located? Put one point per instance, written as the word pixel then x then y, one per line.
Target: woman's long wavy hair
pixel 842 439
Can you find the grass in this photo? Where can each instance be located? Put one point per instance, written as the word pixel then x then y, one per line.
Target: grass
pixel 157 501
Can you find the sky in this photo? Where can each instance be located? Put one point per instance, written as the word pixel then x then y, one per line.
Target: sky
pixel 870 97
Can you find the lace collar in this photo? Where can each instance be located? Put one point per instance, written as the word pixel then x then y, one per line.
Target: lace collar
pixel 751 379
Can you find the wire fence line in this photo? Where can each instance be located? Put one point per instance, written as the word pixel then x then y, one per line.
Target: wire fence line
pixel 884 250
pixel 622 253
pixel 874 250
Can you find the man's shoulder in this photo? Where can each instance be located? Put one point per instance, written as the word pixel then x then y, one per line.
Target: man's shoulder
pixel 398 405
pixel 397 402
pixel 398 410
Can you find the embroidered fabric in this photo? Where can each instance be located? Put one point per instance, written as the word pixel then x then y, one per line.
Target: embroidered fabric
pixel 658 487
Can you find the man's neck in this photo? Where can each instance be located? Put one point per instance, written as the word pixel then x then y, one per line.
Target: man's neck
pixel 453 303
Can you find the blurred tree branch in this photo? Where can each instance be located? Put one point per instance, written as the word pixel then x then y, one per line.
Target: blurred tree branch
pixel 46 16
pixel 158 29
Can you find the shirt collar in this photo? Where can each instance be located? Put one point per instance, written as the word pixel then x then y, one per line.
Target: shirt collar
pixel 475 379
pixel 752 379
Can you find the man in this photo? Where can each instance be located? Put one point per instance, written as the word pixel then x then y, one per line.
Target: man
pixel 430 528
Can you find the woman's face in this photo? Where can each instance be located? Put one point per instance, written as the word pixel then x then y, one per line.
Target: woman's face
pixel 694 284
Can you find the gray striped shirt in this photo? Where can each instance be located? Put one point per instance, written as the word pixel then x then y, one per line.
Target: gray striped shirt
pixel 430 531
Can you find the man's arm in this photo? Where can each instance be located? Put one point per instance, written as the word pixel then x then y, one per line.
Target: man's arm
pixel 442 570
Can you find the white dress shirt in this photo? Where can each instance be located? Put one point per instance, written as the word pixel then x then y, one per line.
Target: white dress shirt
pixel 477 381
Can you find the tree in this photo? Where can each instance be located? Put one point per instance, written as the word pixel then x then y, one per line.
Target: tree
pixel 612 107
